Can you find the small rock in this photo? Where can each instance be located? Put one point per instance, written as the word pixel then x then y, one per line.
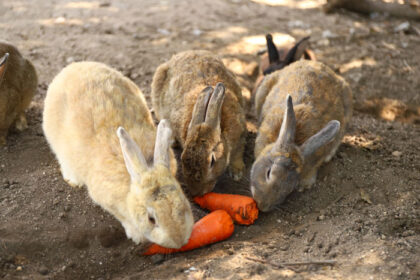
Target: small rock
pixel 197 32
pixel 67 208
pixel 165 32
pixel 328 34
pixel 396 153
pixel 19 268
pixel 157 259
pixel 62 215
pixel 70 59
pixel 284 247
pixel 43 270
pixel 405 26
pixel 320 218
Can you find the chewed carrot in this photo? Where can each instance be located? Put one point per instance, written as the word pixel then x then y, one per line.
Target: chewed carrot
pixel 214 227
pixel 242 209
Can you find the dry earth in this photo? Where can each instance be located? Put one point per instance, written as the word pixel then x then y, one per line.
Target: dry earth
pixel 363 212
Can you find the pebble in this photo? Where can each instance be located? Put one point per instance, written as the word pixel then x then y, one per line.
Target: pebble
pixel 157 259
pixel 43 270
pixel 396 153
pixel 320 218
pixel 19 268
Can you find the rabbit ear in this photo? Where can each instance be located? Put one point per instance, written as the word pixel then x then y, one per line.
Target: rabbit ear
pixel 214 109
pixel 3 65
pixel 162 145
pixel 297 51
pixel 273 54
pixel 286 137
pixel 133 157
pixel 319 140
pixel 200 107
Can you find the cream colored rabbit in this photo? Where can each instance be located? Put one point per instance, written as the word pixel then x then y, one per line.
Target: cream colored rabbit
pixel 208 122
pixel 132 178
pixel 296 137
pixel 18 82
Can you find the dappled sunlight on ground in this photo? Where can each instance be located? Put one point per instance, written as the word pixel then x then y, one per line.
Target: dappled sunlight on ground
pixel 300 4
pixel 253 44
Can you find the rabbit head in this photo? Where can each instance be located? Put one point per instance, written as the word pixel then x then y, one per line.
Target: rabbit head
pixel 157 207
pixel 204 158
pixel 280 166
pixel 3 66
pixel 294 54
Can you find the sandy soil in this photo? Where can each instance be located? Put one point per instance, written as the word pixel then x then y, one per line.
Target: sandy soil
pixel 363 212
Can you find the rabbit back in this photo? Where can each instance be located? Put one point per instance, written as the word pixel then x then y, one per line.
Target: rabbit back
pixel 17 87
pixel 85 105
pixel 319 96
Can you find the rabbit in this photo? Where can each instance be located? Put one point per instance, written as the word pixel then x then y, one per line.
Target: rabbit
pixel 208 123
pixel 18 83
pixel 89 114
pixel 295 137
pixel 276 58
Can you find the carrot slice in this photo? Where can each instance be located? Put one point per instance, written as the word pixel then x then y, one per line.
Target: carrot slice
pixel 242 209
pixel 214 227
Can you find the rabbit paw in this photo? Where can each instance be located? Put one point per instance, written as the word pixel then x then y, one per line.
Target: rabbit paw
pixel 73 184
pixel 236 171
pixel 3 141
pixel 21 123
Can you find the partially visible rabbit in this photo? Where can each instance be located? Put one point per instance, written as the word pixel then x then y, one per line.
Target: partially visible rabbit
pixel 86 107
pixel 18 82
pixel 277 58
pixel 208 122
pixel 295 138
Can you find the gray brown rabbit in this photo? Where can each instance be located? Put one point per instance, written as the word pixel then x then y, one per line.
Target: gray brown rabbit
pixel 99 127
pixel 203 101
pixel 304 110
pixel 18 82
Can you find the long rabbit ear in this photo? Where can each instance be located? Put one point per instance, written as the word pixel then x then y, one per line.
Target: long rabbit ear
pixel 286 137
pixel 3 65
pixel 214 109
pixel 297 51
pixel 163 142
pixel 200 107
pixel 273 54
pixel 323 137
pixel 133 157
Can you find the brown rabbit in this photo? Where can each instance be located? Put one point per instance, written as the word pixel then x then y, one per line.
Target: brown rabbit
pixel 277 58
pixel 208 123
pixel 18 82
pixel 295 139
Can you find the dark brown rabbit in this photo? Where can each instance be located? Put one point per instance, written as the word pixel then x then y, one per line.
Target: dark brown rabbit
pixel 203 102
pixel 18 82
pixel 276 58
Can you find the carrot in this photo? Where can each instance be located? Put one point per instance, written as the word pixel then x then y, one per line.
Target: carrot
pixel 242 209
pixel 214 227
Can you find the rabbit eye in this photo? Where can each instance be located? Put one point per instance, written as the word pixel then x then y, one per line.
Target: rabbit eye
pixel 213 160
pixel 152 220
pixel 267 175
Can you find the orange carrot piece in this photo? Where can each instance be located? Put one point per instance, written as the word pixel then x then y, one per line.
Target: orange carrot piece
pixel 242 209
pixel 214 227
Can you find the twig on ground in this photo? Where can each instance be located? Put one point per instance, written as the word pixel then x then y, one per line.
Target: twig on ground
pixel 287 264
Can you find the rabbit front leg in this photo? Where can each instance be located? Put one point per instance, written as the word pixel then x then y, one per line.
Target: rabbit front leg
pixel 237 166
pixel 3 135
pixel 21 123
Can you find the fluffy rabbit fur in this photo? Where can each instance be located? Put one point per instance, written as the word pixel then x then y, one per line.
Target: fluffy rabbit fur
pixel 296 137
pixel 208 122
pixel 18 82
pixel 130 177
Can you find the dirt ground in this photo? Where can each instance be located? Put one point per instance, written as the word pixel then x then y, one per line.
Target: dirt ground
pixel 363 212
